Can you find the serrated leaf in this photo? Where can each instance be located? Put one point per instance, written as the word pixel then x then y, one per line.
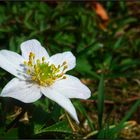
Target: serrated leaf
pixel 62 127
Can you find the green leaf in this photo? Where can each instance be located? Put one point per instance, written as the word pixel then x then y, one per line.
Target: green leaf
pixel 100 101
pixel 127 116
pixel 61 127
pixel 27 20
pixel 11 134
pixel 40 109
pixel 81 108
pixel 118 43
pixel 44 104
pixel 83 66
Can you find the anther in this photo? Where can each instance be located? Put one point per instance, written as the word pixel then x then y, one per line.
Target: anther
pixel 64 63
pixel 64 77
pixel 38 61
pixel 30 55
pixel 65 67
pixel 43 59
pixel 25 63
pixel 29 63
pixel 28 71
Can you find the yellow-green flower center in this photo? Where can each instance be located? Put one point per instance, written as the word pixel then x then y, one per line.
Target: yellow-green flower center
pixel 42 72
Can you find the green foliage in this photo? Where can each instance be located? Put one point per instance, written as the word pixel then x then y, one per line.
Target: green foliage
pixel 58 127
pixel 126 117
pixel 100 101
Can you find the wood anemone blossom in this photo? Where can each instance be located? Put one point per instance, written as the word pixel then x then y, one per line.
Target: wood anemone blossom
pixel 37 74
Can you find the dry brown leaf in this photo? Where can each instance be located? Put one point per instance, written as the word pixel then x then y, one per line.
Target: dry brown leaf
pixel 99 9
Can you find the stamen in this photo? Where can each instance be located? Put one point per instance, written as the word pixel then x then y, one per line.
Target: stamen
pixel 64 63
pixel 43 59
pixel 64 77
pixel 25 63
pixel 42 72
pixel 38 61
pixel 28 72
pixel 65 67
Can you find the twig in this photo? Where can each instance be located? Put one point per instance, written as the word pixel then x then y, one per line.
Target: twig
pixel 14 121
pixel 113 102
pixel 95 101
pixel 70 122
pixel 132 99
pixel 96 132
pixel 126 124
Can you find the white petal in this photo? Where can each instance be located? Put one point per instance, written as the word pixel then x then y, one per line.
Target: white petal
pixel 61 100
pixel 59 58
pixel 35 47
pixel 72 87
pixel 21 90
pixel 12 62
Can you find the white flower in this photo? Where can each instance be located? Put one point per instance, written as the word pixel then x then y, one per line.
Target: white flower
pixel 38 74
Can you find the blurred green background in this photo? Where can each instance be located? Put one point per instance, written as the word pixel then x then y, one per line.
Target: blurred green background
pixel 104 37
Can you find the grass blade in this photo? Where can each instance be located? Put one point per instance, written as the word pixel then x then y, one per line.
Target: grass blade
pixel 100 101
